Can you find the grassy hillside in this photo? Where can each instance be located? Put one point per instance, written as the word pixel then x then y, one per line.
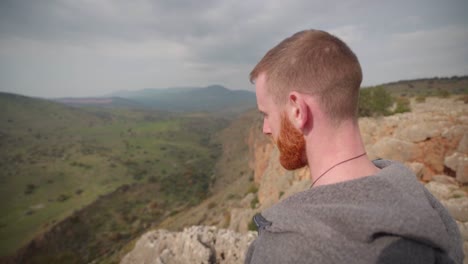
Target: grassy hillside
pixel 234 177
pixel 56 159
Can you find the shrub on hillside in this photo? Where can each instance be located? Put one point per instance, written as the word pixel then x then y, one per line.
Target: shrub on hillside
pixel 252 226
pixel 254 202
pixel 442 93
pixel 402 105
pixel 252 189
pixel 421 99
pixel 374 101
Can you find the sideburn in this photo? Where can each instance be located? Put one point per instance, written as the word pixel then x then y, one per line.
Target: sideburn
pixel 292 146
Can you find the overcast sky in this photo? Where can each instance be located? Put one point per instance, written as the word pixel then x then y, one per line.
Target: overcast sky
pixel 55 48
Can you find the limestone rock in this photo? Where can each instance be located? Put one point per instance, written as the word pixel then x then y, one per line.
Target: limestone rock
pixel 459 193
pixel 418 132
pixel 240 219
pixel 462 170
pixel 452 160
pixel 440 190
pixel 454 132
pixel 395 149
pixel 458 162
pixel 458 208
pixel 444 179
pixel 463 145
pixel 274 180
pixel 247 200
pixel 463 227
pixel 262 160
pixel 417 168
pixel 196 244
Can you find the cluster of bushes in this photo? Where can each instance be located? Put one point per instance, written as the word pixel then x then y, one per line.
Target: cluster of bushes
pixel 376 101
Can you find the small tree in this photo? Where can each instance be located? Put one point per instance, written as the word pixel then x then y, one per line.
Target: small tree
pixel 374 101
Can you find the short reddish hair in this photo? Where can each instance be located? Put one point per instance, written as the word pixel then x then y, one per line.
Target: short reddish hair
pixel 314 62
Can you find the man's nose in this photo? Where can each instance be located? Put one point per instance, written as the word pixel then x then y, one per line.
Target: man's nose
pixel 266 128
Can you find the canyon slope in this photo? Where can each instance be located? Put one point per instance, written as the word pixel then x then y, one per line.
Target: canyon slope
pixel 432 140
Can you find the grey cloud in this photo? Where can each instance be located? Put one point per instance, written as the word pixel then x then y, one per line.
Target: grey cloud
pixel 121 44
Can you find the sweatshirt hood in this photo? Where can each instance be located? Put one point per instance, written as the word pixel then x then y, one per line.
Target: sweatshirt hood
pixel 392 202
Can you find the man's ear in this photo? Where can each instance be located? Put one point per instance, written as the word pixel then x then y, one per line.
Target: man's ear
pixel 298 109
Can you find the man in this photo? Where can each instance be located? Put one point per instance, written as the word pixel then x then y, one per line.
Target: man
pixel 356 211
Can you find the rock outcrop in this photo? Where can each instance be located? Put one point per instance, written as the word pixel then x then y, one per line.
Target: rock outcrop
pixel 196 244
pixel 432 140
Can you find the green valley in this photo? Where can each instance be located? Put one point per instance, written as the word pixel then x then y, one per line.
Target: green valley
pixel 56 160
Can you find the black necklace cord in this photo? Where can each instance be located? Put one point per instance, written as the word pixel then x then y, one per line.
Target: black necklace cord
pixel 339 163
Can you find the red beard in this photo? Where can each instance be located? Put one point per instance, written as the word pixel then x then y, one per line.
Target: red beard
pixel 291 145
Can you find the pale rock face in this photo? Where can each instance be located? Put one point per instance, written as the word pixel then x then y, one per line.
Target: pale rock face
pixel 274 179
pixel 463 145
pixel 418 132
pixel 458 162
pixel 373 129
pixel 247 200
pixel 454 132
pixel 240 219
pixel 196 244
pixel 417 168
pixel 444 179
pixel 458 208
pixel 463 230
pixel 462 170
pixel 441 191
pixel 453 160
pixel 395 149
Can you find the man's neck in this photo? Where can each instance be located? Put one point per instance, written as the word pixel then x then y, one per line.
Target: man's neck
pixel 342 145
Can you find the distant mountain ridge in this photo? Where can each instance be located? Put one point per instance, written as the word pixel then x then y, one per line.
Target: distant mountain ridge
pixel 213 98
pixel 99 101
pixel 217 98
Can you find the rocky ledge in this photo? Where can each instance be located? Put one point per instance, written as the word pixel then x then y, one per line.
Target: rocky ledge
pixel 432 140
pixel 196 244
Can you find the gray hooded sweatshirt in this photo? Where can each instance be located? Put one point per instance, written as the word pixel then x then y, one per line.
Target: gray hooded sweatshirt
pixel 385 218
